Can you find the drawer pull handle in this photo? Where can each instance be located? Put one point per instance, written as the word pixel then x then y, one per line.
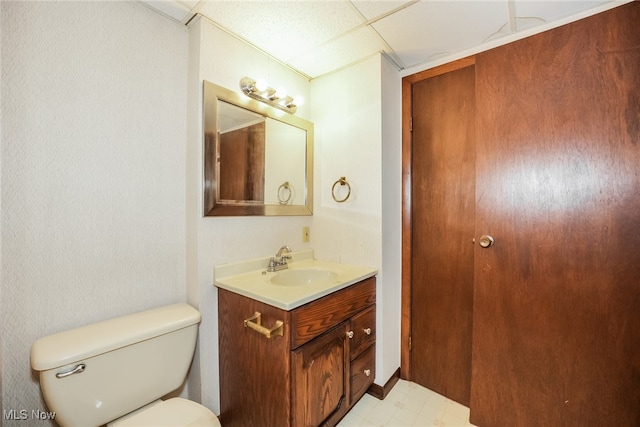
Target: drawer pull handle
pixel 350 334
pixel 255 323
pixel 367 372
pixel 367 331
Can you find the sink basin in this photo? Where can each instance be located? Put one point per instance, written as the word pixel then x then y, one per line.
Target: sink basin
pixel 303 277
pixel 306 279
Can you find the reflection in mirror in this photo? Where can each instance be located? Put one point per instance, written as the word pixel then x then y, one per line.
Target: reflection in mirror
pixel 258 160
pixel 241 159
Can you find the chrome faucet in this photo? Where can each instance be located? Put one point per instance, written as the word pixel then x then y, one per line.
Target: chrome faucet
pixel 279 262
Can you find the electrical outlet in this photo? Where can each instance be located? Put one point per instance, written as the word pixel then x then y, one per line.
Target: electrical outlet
pixel 305 235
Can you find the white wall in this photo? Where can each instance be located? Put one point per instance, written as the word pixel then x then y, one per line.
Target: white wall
pixel 391 293
pixel 353 141
pixel 222 59
pixel 101 177
pixel 348 142
pixel 93 172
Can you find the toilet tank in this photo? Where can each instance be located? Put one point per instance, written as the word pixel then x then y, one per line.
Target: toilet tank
pixel 120 364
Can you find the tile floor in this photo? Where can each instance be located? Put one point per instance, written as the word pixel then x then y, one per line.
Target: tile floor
pixel 407 405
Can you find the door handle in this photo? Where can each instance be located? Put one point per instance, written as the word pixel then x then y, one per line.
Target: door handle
pixel 486 241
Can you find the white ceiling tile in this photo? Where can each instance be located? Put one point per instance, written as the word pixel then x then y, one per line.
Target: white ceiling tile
pixel 372 9
pixel 189 3
pixel 429 29
pixel 319 36
pixel 345 50
pixel 283 28
pixel 551 10
pixel 173 9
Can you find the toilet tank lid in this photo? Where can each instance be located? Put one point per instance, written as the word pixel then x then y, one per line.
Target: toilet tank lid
pixel 78 344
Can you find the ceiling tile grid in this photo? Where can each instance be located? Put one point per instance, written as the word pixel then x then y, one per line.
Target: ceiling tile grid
pixel 316 37
pixel 436 28
pixel 374 9
pixel 339 52
pixel 284 29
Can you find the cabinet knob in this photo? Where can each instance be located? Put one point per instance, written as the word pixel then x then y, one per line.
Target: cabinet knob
pixel 367 372
pixel 367 331
pixel 350 334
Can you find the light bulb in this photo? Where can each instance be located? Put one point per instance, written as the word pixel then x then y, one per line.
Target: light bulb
pixel 261 85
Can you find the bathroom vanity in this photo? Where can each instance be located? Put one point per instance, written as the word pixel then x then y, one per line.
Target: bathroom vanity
pixel 302 361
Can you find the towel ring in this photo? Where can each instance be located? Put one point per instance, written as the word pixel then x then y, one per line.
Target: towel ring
pixel 342 181
pixel 281 189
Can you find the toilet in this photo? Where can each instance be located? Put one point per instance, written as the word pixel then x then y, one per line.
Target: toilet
pixel 116 372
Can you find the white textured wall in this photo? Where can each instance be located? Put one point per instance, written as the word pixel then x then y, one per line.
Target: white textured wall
pixel 224 60
pixel 101 175
pixel 93 171
pixel 349 143
pixel 391 293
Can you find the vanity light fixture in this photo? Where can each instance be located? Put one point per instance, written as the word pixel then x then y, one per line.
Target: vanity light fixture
pixel 268 95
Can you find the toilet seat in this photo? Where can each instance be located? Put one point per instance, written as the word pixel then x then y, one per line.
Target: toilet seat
pixel 175 412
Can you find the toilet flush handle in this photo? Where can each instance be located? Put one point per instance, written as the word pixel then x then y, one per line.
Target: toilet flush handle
pixel 79 368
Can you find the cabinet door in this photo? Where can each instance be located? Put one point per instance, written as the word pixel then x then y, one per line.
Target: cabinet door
pixel 254 369
pixel 320 378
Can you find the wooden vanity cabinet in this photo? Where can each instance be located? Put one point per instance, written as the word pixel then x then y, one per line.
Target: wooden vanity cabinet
pixel 312 374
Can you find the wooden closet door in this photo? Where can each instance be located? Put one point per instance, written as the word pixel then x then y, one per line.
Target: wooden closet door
pixel 443 196
pixel 556 327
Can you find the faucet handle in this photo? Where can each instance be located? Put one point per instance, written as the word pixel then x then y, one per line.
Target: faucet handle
pixel 282 250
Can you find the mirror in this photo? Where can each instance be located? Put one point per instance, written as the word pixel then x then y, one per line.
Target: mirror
pixel 258 160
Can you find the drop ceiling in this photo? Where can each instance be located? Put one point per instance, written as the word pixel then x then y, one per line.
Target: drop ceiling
pixel 316 37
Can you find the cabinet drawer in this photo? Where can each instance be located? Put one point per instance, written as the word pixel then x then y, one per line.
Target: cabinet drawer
pixel 360 367
pixel 363 326
pixel 316 317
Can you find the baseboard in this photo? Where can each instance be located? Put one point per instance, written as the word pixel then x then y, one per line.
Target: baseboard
pixel 381 392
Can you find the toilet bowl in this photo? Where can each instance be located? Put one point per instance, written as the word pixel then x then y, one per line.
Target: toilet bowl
pixel 175 412
pixel 115 372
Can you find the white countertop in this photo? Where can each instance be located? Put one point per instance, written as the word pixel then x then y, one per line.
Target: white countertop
pixel 250 278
